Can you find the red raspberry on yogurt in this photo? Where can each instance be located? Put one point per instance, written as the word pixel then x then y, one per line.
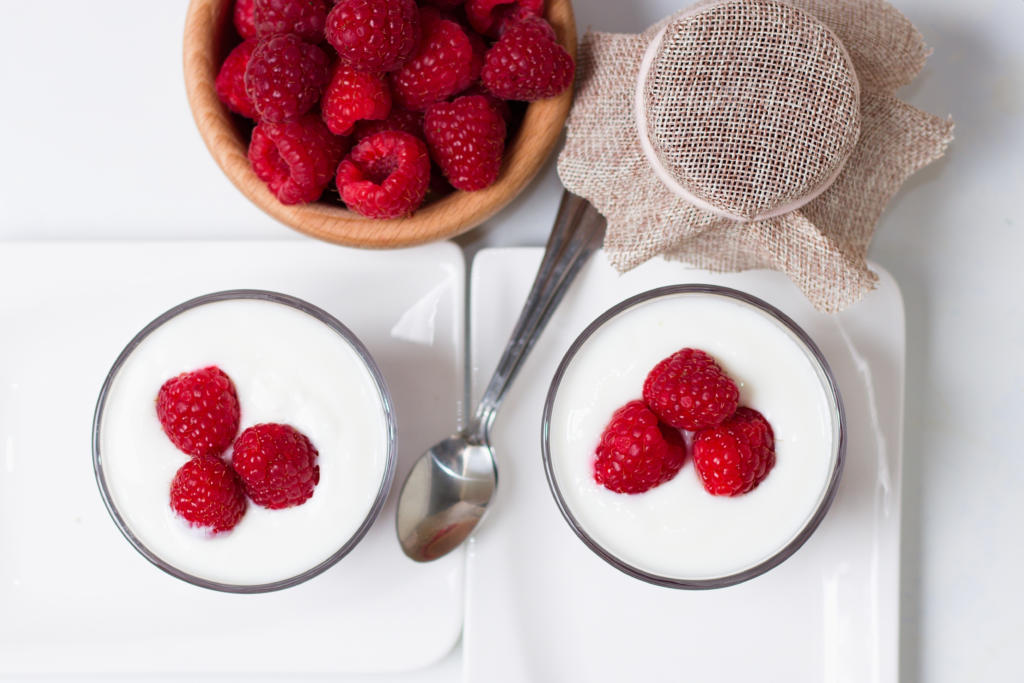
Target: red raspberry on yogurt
pixel 636 452
pixel 689 391
pixel 199 411
pixel 277 465
pixel 207 494
pixel 737 455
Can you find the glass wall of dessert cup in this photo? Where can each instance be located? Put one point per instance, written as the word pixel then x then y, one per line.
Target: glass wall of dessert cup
pixel 693 436
pixel 244 441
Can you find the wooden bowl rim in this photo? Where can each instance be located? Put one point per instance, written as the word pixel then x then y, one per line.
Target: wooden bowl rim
pixel 447 217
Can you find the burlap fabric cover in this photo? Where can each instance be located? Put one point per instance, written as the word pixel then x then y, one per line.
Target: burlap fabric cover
pixel 752 134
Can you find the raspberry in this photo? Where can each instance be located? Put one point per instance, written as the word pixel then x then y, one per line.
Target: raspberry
pixel 489 16
pixel 304 18
pixel 277 465
pixel 207 493
pixel 231 80
pixel 689 391
pixel 736 456
pixel 517 14
pixel 399 119
pixel 501 105
pixel 636 452
pixel 244 19
pixel 354 95
pixel 285 77
pixel 527 63
pixel 385 175
pixel 447 62
pixel 374 35
pixel 296 159
pixel 199 411
pixel 466 138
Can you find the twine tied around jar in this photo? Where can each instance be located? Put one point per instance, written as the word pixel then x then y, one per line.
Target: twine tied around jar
pixel 745 134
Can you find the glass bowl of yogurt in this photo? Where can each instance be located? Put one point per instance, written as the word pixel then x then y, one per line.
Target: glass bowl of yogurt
pixel 677 534
pixel 291 363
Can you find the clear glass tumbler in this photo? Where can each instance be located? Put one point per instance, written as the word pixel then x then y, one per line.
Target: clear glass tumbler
pixel 677 535
pixel 307 321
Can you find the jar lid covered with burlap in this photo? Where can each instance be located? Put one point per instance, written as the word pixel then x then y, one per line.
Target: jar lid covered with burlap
pixel 743 134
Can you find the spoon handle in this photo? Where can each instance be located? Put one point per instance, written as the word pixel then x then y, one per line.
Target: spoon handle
pixel 577 233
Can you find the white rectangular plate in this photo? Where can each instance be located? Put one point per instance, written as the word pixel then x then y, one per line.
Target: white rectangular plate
pixel 71 584
pixel 542 607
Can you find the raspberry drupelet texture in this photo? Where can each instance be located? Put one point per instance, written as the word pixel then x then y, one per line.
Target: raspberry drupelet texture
pixel 199 411
pixel 304 18
pixel 296 159
pixel 230 83
pixel 500 105
pixel 353 96
pixel 688 390
pixel 208 494
pixel 277 465
pixel 399 119
pixel 447 62
pixel 737 455
pixel 285 77
pixel 636 452
pixel 527 63
pixel 385 175
pixel 374 35
pixel 489 17
pixel 467 139
pixel 244 19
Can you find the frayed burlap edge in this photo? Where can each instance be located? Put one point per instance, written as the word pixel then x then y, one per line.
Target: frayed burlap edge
pixel 823 245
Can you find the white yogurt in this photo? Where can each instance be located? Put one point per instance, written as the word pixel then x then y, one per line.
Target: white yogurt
pixel 678 530
pixel 287 367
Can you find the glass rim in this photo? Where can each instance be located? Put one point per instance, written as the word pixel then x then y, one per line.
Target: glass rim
pixel 839 439
pixel 386 403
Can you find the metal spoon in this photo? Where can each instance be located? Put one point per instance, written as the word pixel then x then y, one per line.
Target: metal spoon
pixel 448 489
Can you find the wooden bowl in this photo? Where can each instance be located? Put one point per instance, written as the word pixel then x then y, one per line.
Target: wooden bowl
pixel 208 26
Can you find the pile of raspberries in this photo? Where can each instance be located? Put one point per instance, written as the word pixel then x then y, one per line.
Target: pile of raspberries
pixel 387 98
pixel 643 444
pixel 272 464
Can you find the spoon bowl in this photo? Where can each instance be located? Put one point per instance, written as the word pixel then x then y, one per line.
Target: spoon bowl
pixel 444 496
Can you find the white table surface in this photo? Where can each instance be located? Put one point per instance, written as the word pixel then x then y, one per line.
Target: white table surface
pixel 98 143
